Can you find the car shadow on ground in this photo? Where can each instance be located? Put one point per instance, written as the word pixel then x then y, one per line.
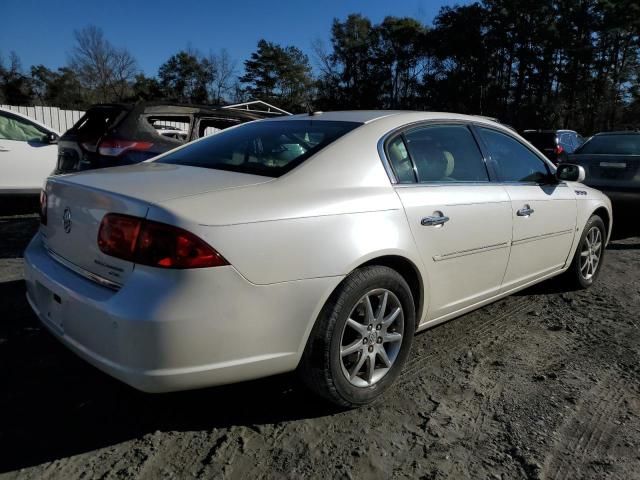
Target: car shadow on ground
pixel 16 232
pixel 19 205
pixel 624 246
pixel 53 404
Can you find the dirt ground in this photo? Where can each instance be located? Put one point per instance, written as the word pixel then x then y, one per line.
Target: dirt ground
pixel 543 384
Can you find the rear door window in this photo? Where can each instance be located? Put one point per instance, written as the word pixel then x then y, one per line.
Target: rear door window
pixel 174 128
pixel 400 162
pixel 445 153
pixel 211 126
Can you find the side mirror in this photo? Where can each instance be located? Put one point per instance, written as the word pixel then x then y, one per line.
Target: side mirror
pixel 568 172
pixel 51 138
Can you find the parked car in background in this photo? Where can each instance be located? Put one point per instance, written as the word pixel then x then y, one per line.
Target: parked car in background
pixel 28 153
pixel 319 243
pixel 555 144
pixel 172 132
pixel 121 134
pixel 612 163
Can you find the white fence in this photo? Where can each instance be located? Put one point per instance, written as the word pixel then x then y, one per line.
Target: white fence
pixel 60 120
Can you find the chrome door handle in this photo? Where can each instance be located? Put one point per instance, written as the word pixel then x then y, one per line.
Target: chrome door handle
pixel 3 149
pixel 525 211
pixel 434 220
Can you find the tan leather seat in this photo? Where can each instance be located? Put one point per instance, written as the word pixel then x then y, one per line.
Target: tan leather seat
pixel 400 160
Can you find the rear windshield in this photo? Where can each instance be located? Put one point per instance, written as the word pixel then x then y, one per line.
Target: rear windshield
pixel 612 145
pixel 541 139
pixel 95 123
pixel 261 148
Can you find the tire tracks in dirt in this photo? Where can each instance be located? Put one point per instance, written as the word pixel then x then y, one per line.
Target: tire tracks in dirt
pixel 589 432
pixel 494 328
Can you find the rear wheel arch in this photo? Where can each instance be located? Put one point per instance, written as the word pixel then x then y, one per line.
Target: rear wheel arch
pixel 406 268
pixel 322 365
pixel 409 271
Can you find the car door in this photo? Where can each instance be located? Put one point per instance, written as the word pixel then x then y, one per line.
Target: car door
pixel 26 156
pixel 461 222
pixel 543 210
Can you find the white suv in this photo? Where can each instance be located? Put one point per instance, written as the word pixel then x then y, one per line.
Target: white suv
pixel 28 153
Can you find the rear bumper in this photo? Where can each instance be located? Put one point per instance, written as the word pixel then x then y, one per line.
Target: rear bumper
pixel 176 329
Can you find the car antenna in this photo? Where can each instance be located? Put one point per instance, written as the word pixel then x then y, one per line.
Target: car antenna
pixel 310 111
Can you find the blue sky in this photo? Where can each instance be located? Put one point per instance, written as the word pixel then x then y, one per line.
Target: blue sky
pixel 42 32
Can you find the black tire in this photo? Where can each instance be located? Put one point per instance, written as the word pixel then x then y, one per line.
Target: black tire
pixel 574 276
pixel 321 367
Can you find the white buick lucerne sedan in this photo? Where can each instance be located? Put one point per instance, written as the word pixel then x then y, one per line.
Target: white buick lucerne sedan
pixel 319 243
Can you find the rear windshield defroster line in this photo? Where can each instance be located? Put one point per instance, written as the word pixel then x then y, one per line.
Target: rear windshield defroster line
pixel 270 148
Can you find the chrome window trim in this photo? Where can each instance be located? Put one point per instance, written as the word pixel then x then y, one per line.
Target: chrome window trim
pixel 84 273
pixel 542 158
pixel 446 184
pixel 408 126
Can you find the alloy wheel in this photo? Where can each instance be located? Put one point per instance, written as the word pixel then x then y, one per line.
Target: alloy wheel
pixel 372 337
pixel 591 253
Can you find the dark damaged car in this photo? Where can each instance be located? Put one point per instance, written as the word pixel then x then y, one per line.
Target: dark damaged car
pixel 612 164
pixel 122 134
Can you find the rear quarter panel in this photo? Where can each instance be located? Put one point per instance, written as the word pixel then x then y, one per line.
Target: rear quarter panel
pixel 304 247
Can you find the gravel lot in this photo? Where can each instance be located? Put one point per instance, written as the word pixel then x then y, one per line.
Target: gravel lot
pixel 543 384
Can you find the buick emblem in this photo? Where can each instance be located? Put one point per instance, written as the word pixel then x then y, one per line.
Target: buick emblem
pixel 66 220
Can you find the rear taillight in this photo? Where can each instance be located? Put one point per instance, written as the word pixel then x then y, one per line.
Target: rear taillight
pixel 114 147
pixel 156 244
pixel 43 207
pixel 559 149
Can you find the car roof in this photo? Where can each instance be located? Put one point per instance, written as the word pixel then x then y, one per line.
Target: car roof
pixel 32 120
pixel 368 116
pixel 621 132
pixel 549 131
pixel 161 108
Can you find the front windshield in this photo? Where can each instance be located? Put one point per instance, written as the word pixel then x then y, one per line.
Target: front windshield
pixel 270 148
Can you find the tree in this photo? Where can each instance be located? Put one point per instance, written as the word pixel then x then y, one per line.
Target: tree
pixel 354 43
pixel 277 74
pixel 146 88
pixel 15 87
pixel 186 78
pixel 61 88
pixel 41 78
pixel 104 71
pixel 223 69
pixel 402 60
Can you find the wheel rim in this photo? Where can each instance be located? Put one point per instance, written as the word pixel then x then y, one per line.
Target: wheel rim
pixel 591 253
pixel 372 337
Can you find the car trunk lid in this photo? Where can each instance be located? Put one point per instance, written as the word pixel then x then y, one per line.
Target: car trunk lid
pixel 78 202
pixel 609 170
pixel 74 214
